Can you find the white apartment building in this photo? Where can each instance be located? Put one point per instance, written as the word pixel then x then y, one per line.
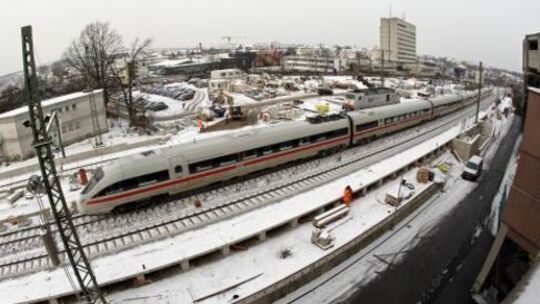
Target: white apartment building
pixel 75 117
pixel 398 40
pixel 223 79
pixel 313 63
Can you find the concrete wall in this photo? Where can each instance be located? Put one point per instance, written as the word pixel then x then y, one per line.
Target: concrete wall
pixel 10 140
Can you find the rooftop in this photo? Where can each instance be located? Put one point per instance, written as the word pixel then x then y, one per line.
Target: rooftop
pixel 48 102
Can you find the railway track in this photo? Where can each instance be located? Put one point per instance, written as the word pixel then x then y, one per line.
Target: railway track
pixel 168 219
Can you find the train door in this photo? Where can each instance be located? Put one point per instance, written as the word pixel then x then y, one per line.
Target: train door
pixel 177 167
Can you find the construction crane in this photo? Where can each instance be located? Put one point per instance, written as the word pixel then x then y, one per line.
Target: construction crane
pixel 229 38
pixel 80 265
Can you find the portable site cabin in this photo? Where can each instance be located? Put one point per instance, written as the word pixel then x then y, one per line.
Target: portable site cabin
pixel 369 98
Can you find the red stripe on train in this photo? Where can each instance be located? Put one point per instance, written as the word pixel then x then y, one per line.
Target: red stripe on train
pixel 212 172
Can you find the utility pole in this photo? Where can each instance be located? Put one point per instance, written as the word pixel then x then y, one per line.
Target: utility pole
pixel 382 67
pixel 479 92
pixel 80 265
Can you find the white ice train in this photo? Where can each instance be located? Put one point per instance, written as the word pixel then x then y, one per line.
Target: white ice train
pixel 175 169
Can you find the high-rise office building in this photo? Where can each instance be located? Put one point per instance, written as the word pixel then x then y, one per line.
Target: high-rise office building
pixel 398 40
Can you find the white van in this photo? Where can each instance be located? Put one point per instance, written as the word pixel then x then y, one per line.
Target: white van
pixel 473 168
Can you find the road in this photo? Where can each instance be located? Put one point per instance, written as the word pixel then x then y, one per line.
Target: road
pixel 452 250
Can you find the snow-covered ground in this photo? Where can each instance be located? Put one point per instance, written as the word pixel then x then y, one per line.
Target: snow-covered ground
pixel 531 289
pixel 242 100
pixel 175 107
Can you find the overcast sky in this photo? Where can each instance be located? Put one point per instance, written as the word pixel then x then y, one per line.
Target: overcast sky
pixel 488 30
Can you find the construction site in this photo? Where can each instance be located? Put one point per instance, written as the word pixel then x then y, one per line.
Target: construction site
pixel 242 173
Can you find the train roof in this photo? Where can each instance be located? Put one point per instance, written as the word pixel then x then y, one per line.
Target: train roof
pixel 239 140
pixel 446 99
pixel 389 110
pixel 373 91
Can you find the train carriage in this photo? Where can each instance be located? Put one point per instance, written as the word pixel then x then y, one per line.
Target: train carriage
pixel 192 165
pixel 371 123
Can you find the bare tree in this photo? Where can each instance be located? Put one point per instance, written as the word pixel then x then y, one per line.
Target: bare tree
pixel 131 64
pixel 94 53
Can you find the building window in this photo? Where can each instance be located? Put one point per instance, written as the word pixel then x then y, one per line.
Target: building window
pixel 74 106
pixel 67 109
pixel 59 110
pixel 533 45
pixel 70 126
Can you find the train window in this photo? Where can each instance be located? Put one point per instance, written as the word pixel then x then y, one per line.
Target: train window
pixel 202 167
pixel 341 132
pixel 96 177
pixel 367 125
pixel 178 169
pixel 112 189
pixel 226 160
pixel 287 145
pixel 276 148
pixel 147 179
pixel 304 141
pixel 266 150
pixel 318 137
pixel 148 153
pixel 249 154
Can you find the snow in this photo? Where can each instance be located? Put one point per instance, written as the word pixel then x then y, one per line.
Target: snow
pixel 531 292
pixel 242 100
pixel 365 213
pixel 30 207
pixel 48 102
pixel 173 62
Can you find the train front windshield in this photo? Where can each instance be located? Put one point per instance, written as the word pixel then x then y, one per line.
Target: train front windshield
pixel 96 177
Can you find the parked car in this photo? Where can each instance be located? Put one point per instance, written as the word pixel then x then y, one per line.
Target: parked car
pixel 473 168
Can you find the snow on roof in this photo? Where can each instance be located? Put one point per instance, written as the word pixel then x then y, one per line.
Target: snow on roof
pixel 173 62
pixel 48 102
